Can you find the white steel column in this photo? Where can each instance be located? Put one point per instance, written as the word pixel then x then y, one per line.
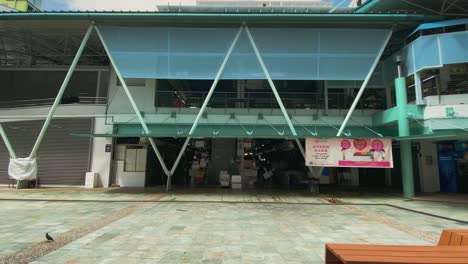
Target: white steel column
pixel 134 105
pixel 205 103
pixel 311 169
pixel 270 81
pixel 325 96
pixel 61 91
pixel 418 89
pixel 98 87
pixel 337 6
pixel 364 84
pixel 7 143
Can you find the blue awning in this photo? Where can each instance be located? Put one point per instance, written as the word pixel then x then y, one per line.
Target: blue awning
pixel 289 53
pixel 440 24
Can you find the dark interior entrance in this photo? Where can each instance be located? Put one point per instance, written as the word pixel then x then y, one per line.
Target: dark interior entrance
pixel 169 149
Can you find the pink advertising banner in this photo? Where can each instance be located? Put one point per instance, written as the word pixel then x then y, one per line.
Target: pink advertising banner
pixel 340 152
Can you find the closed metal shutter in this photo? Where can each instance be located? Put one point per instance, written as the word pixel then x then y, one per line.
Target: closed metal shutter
pixel 62 159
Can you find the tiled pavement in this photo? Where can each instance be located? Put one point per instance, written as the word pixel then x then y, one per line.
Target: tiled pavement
pixel 213 226
pixel 23 223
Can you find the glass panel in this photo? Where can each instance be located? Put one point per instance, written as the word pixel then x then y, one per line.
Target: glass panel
pixel 289 53
pixel 454 47
pixel 426 52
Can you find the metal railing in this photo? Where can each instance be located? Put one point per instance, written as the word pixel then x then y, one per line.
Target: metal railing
pixel 50 101
pixel 299 100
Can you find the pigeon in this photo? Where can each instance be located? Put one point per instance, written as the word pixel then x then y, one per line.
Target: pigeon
pixel 49 238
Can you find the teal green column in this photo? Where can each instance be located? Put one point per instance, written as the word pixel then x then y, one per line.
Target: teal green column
pixel 405 145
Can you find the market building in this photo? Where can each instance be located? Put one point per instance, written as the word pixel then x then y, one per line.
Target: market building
pixel 189 93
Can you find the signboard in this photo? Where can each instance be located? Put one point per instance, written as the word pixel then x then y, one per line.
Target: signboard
pixel 108 147
pixel 340 152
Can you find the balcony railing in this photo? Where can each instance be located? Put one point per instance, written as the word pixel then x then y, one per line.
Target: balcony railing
pixel 265 100
pixel 50 101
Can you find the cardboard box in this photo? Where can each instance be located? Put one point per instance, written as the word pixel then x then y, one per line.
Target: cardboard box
pixel 236 179
pixel 199 144
pixel 224 179
pixel 249 164
pixel 236 186
pixel 249 173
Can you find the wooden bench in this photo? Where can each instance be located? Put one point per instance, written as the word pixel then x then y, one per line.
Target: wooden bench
pixel 452 248
pixel 453 237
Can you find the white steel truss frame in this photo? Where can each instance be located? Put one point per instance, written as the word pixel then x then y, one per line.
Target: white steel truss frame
pixel 219 74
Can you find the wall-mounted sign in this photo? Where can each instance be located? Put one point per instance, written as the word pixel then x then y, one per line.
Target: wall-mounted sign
pixel 339 152
pixel 108 147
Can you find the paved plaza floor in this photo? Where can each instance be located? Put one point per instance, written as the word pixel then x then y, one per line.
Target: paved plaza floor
pixel 210 225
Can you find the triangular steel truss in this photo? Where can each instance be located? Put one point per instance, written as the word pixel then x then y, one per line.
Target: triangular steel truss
pixel 169 173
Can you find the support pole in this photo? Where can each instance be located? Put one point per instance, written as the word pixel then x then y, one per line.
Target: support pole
pixel 315 171
pixel 364 84
pixel 405 145
pixel 301 148
pixel 7 143
pixel 61 91
pixel 418 89
pixel 204 105
pixel 270 81
pixel 325 97
pixel 337 6
pixel 132 102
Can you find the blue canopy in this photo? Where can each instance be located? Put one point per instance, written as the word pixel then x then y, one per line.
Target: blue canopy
pixel 441 24
pixel 289 53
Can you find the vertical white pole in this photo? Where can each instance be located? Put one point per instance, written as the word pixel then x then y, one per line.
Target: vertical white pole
pixel 325 97
pixel 301 148
pixel 98 87
pixel 61 91
pixel 364 84
pixel 337 6
pixel 418 89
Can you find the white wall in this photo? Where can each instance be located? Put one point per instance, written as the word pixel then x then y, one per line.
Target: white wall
pixel 439 111
pixel 100 159
pixel 128 179
pixel 449 99
pixel 144 96
pixel 428 167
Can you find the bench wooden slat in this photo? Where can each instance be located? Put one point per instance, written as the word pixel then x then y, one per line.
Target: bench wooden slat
pixel 451 249
pixel 444 239
pixel 395 247
pixel 452 237
pixel 455 240
pixel 405 260
pixel 435 253
pixel 464 241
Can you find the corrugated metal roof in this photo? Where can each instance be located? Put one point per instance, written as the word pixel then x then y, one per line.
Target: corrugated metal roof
pixel 226 17
pixel 435 7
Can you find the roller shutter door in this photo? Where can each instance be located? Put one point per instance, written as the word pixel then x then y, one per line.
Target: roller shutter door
pixel 62 159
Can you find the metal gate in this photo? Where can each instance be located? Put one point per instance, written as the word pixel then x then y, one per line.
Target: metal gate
pixel 62 159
